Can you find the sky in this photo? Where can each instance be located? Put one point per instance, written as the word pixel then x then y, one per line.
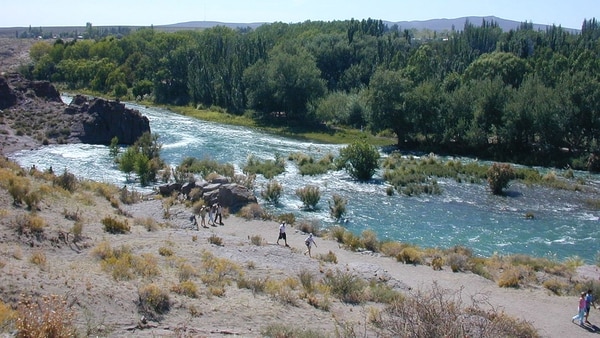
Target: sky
pixel 45 13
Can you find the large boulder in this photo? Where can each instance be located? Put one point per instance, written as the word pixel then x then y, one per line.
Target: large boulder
pixel 8 98
pixel 107 119
pixel 235 196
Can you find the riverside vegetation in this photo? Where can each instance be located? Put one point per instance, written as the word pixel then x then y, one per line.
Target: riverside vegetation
pixel 33 229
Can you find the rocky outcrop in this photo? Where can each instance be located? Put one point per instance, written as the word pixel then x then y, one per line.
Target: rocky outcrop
pixel 230 195
pixel 104 120
pixel 34 111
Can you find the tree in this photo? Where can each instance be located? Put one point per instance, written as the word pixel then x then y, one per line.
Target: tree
pixel 498 176
pixel 360 160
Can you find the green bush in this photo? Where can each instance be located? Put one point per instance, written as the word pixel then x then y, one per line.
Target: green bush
pixel 114 226
pixel 347 287
pixel 268 168
pixel 310 196
pixel 498 177
pixel 338 209
pixel 360 159
pixel 272 192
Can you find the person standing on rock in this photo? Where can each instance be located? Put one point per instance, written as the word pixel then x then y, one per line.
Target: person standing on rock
pixel 282 234
pixel 309 241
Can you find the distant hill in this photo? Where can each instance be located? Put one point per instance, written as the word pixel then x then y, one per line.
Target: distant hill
pixel 438 25
pixel 433 24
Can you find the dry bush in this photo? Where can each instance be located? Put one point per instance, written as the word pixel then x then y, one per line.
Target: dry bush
pixel 440 313
pixel 329 257
pixel 164 251
pixel 346 286
pixel 285 331
pixel 310 227
pixel 77 231
pixel 186 272
pixel 216 240
pixel 47 316
pixel 102 250
pixel 148 222
pixel 368 240
pixel 72 215
pixel 218 272
pixel 351 241
pixel 510 278
pixel 392 249
pixel 146 265
pixel 280 291
pixel 257 240
pixel 38 258
pixel 337 232
pixel 380 292
pixel 437 263
pixel 253 211
pixel 556 286
pixel 153 301
pixel 7 317
pixel 256 285
pixel 410 255
pixel 67 181
pixel 186 288
pixel 18 188
pixel 114 226
pixel 457 262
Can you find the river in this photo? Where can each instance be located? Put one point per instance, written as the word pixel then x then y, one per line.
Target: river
pixel 464 214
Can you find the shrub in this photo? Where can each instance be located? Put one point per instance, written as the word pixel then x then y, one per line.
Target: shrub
pixel 329 257
pixel 66 181
pixel 7 317
pixel 555 286
pixel 272 192
pixel 498 176
pixel 310 227
pixel 309 195
pixel 346 286
pixel 153 301
pixel 253 211
pixel 32 200
pixel 437 263
pixel 48 316
pixel 337 232
pixel 186 288
pixel 410 255
pixel 338 209
pixel 457 262
pixel 77 231
pixel 145 265
pixel 164 251
pixel 307 280
pixel 218 272
pixel 114 226
pixel 281 331
pixel 30 224
pixel 256 285
pixel 38 258
pixel 509 278
pixel 360 159
pixel 256 240
pixel 288 218
pixel 216 240
pixel 18 188
pixel 268 168
pixel 186 272
pixel 369 240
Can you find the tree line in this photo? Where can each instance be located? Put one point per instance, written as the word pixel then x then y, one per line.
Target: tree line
pixel 523 95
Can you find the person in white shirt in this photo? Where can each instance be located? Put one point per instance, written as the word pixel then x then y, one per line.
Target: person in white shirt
pixel 282 234
pixel 309 241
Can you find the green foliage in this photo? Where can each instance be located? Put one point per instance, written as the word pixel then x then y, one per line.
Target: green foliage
pixel 310 196
pixel 114 147
pixel 204 167
pixel 499 174
pixel 309 166
pixel 267 168
pixel 348 287
pixel 338 209
pixel 272 192
pixel 360 160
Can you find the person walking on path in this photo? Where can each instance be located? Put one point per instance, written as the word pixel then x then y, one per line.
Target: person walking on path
pixel 581 310
pixel 211 216
pixel 309 241
pixel 282 234
pixel 219 215
pixel 589 302
pixel 203 216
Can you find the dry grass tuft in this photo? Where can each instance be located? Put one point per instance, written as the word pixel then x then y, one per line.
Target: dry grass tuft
pixel 48 316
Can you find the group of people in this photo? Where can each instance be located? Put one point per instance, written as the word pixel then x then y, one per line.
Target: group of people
pixel 586 301
pixel 215 215
pixel 309 241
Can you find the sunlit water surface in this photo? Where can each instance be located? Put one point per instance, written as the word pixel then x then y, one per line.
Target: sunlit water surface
pixel 464 214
